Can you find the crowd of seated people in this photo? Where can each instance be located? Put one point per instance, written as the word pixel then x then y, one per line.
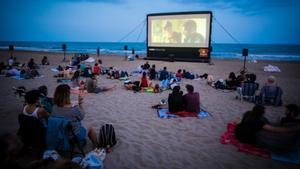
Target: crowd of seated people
pixel 26 71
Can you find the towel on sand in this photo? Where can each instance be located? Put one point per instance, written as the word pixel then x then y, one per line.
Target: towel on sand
pixel 271 68
pixel 229 138
pixel 164 113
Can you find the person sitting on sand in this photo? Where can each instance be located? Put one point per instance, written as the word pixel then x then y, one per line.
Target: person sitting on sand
pixel 144 80
pixel 179 74
pixel 255 129
pixel 75 113
pixel 75 79
pixel 87 72
pixel 146 66
pixel 96 69
pixel 163 74
pixel 176 100
pixel 187 75
pixel 291 115
pixel 231 81
pixel 91 86
pixel 10 61
pixel 32 65
pixel 32 107
pixel 45 61
pixel 152 73
pixel 271 93
pixel 192 100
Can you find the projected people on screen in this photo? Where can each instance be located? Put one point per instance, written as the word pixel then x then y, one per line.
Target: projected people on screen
pixel 190 33
pixel 171 36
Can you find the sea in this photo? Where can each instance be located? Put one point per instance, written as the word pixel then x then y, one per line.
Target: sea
pixel 219 50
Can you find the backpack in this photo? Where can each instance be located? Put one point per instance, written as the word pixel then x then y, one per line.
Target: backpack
pixel 107 137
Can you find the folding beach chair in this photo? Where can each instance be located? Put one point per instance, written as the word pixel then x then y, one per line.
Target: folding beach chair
pixel 247 91
pixel 271 95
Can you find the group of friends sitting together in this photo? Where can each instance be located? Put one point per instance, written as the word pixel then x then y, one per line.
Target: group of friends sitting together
pixel 281 136
pixel 39 108
pixel 25 71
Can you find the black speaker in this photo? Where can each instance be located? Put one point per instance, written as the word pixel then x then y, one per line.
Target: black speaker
pixel 133 51
pixel 11 47
pixel 125 47
pixel 245 52
pixel 64 46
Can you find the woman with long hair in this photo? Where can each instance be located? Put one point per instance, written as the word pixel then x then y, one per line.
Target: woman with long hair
pixel 75 113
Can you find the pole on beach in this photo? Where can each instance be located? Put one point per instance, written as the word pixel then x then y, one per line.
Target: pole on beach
pixel 64 48
pixel 11 50
pixel 98 52
pixel 125 49
pixel 245 54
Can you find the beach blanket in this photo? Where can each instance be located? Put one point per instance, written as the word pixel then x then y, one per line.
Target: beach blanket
pixel 63 80
pixel 229 138
pixel 291 157
pixel 147 90
pixel 164 113
pixel 271 68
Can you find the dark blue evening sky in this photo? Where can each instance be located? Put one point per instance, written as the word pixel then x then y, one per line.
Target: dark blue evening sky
pixel 249 21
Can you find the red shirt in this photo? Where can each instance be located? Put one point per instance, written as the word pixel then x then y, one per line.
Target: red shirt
pixel 179 75
pixel 144 82
pixel 96 70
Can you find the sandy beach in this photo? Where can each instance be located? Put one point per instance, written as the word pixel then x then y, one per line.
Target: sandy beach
pixel 146 141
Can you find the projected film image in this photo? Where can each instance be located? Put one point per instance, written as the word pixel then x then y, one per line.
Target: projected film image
pixel 178 32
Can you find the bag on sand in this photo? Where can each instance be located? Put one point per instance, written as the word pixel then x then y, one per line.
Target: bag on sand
pixel 107 136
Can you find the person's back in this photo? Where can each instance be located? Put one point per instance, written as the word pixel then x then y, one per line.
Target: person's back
pixel 163 74
pixel 246 130
pixel 176 101
pixel 90 85
pixel 152 73
pixel 192 100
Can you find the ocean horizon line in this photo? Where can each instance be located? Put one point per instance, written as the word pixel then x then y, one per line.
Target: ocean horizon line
pixel 227 43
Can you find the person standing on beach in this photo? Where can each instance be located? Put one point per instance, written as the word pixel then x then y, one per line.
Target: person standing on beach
pixel 192 100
